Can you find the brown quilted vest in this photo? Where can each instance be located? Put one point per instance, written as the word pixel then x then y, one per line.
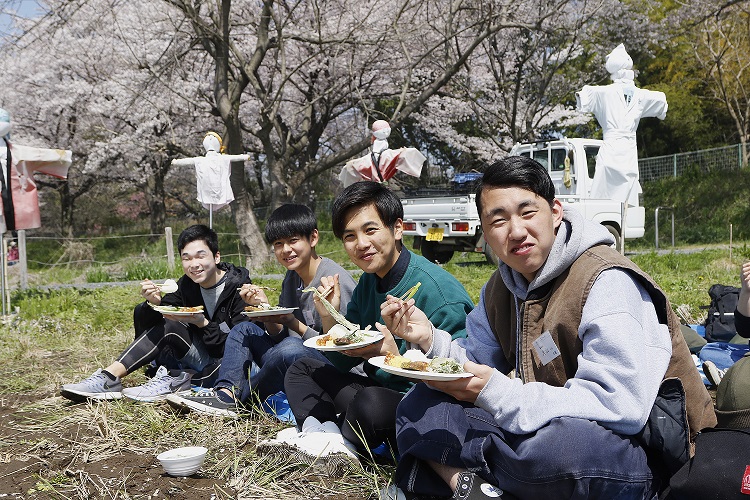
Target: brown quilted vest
pixel 558 306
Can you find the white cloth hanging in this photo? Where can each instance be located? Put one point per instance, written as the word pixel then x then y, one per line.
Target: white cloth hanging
pixel 213 178
pixel 616 176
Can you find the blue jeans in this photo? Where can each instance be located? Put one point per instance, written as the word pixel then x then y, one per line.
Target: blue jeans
pixel 567 458
pixel 248 343
pixel 723 354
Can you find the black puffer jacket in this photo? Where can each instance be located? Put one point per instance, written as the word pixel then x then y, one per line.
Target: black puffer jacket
pixel 227 313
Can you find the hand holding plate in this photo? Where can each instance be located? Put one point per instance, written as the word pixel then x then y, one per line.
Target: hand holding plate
pixel 466 389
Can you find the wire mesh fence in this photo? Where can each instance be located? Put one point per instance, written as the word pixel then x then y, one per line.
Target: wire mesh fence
pixel 707 160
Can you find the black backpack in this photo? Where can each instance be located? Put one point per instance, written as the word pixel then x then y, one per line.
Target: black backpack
pixel 720 320
pixel 720 469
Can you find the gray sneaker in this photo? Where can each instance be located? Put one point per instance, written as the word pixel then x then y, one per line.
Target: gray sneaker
pixel 205 402
pixel 98 386
pixel 159 387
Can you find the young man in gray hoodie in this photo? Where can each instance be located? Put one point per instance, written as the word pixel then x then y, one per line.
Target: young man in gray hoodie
pixel 570 346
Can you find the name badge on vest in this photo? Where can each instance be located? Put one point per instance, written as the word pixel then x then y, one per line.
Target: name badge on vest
pixel 224 327
pixel 545 348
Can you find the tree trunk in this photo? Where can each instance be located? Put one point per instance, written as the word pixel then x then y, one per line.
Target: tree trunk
pixel 155 196
pixel 157 210
pixel 253 243
pixel 66 210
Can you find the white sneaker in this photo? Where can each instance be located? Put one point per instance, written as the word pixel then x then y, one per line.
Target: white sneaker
pixel 159 387
pixel 319 445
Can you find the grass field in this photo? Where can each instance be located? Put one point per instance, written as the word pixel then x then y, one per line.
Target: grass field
pixel 50 448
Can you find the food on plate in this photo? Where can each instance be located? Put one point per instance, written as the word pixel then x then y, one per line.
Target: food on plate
pixel 169 286
pixel 406 363
pixel 178 309
pixel 415 360
pixel 338 335
pixel 261 307
pixel 445 365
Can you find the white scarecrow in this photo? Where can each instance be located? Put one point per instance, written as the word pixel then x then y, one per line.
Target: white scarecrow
pixel 20 199
pixel 382 163
pixel 212 174
pixel 618 108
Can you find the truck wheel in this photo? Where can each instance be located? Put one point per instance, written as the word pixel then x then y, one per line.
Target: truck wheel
pixel 432 251
pixel 616 235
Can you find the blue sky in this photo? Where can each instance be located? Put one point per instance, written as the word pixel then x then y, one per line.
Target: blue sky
pixel 25 8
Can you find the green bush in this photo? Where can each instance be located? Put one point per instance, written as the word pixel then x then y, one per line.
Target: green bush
pixel 140 269
pixel 705 203
pixel 98 275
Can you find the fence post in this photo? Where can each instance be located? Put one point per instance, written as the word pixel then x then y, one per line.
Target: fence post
pixel 170 248
pixel 656 225
pixel 674 165
pixel 22 262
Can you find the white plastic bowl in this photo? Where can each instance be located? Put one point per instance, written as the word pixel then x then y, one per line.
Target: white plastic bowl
pixel 183 461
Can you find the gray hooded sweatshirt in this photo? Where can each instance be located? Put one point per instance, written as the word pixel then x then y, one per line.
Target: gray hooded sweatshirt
pixel 625 354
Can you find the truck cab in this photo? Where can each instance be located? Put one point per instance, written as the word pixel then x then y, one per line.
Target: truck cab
pixel 571 164
pixel 442 225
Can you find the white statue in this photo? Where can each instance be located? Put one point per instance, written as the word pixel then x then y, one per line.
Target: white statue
pixel 212 174
pixel 618 108
pixel 382 163
pixel 20 199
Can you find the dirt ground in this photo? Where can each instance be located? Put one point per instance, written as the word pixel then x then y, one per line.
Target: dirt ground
pixel 39 464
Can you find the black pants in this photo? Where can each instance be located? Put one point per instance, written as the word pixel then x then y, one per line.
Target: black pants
pixel 166 343
pixel 368 410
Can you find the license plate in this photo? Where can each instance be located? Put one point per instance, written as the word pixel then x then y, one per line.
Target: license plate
pixel 434 234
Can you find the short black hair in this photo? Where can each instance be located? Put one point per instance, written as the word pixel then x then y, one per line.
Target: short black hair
pixel 361 194
pixel 517 171
pixel 198 232
pixel 290 220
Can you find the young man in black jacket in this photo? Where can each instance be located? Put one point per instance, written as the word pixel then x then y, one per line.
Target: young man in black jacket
pixel 194 340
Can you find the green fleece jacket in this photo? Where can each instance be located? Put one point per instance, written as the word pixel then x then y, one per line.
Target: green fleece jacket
pixel 442 298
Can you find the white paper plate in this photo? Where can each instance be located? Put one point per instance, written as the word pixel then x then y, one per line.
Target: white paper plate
pixel 379 361
pixel 269 312
pixel 371 338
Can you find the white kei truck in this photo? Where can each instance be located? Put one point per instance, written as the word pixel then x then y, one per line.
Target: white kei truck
pixel 450 223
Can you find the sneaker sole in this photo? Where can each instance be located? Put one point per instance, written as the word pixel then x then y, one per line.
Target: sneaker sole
pixel 712 374
pixel 81 397
pixel 187 405
pixel 333 465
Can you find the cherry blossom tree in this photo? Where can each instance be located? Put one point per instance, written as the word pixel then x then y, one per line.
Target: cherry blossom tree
pixel 84 77
pixel 520 84
pixel 303 79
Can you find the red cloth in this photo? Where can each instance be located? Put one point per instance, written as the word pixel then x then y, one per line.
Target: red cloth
pixel 25 161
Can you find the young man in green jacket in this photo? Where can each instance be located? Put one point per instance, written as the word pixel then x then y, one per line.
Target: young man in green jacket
pixel 367 217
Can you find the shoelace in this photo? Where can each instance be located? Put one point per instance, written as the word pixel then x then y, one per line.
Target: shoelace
pixel 94 380
pixel 156 381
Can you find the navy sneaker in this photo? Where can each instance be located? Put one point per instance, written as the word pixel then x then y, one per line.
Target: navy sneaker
pixel 206 402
